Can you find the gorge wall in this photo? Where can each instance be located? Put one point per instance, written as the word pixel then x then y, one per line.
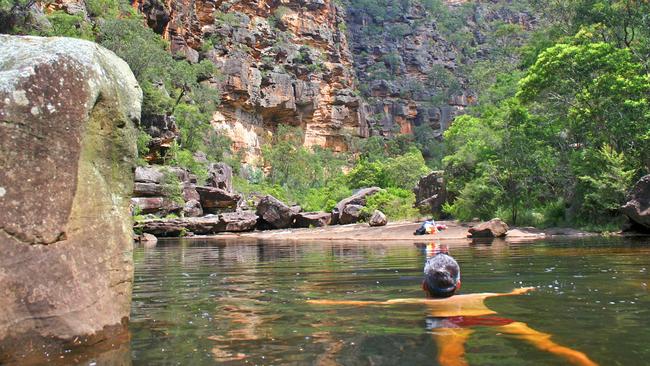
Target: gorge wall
pixel 414 59
pixel 280 62
pixel 337 68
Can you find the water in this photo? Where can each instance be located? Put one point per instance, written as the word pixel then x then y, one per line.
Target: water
pixel 201 302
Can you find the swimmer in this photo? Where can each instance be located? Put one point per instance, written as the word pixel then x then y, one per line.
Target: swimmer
pixel 451 316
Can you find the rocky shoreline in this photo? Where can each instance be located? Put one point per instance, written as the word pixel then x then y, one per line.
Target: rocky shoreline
pixel 402 231
pixel 176 206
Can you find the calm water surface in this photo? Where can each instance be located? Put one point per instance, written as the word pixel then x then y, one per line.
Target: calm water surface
pixel 203 302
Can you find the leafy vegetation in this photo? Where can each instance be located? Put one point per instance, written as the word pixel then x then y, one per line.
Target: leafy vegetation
pixel 559 141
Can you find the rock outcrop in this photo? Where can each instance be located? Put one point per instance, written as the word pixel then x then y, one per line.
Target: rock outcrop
pixel 206 225
pixel 431 194
pixel 282 63
pixel 411 60
pixel 637 208
pixel 216 200
pixel 348 210
pixel 162 190
pixel 67 151
pixel 494 228
pixel 273 214
pixel 220 176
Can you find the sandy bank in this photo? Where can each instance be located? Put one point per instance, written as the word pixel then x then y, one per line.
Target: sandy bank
pixel 396 231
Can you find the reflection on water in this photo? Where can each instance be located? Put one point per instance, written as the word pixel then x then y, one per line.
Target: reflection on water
pixel 202 302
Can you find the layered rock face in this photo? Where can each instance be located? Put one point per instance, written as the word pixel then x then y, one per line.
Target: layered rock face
pixel 412 62
pixel 282 62
pixel 67 150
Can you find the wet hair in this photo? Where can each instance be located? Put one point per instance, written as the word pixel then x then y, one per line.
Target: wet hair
pixel 441 275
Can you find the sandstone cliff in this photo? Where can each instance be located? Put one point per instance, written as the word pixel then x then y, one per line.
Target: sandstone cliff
pixel 414 61
pixel 281 62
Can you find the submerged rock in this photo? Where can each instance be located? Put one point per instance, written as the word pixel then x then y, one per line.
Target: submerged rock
pixel 494 228
pixel 637 208
pixel 67 146
pixel 377 219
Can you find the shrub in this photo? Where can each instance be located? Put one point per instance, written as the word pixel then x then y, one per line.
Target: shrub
pixel 395 203
pixel 171 186
pixel 66 25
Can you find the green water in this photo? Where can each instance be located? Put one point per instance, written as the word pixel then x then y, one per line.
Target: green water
pixel 201 302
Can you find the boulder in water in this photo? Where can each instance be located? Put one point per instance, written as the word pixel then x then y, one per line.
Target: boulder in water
pixel 68 146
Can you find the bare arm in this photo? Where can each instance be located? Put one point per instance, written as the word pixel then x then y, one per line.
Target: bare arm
pixel 368 303
pixel 517 291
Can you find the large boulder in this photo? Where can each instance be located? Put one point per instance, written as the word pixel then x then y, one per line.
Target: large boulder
pixel 494 228
pixel 637 208
pixel 312 219
pixel 378 219
pixel 273 214
pixel 339 216
pixel 431 193
pixel 67 147
pixel 220 176
pixel 216 200
pixel 351 214
pixel 237 221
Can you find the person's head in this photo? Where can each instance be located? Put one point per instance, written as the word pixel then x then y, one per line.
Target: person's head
pixel 441 276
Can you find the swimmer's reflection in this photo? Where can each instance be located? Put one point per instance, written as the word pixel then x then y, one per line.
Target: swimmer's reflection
pixel 451 318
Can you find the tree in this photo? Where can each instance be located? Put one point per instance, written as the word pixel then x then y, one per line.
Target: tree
pixel 594 92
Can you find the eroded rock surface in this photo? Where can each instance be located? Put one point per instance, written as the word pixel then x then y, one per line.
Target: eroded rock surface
pixel 637 208
pixel 206 225
pixel 342 215
pixel 431 193
pixel 378 219
pixel 494 228
pixel 312 219
pixel 273 214
pixel 67 148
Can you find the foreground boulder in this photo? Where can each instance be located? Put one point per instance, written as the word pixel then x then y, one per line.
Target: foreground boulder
pixel 494 228
pixel 637 208
pixel 67 146
pixel 273 214
pixel 431 193
pixel 358 200
pixel 312 219
pixel 378 219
